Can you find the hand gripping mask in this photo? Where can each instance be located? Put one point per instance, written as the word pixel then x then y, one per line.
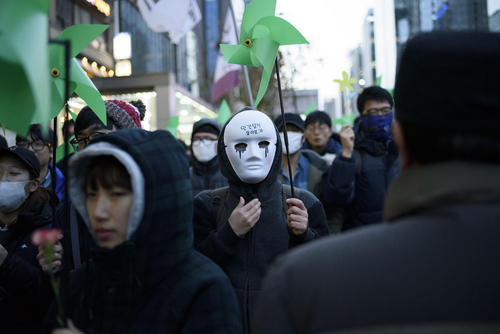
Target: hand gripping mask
pixel 250 143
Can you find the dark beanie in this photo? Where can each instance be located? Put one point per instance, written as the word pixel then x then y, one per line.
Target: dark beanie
pixel 318 116
pixel 293 119
pixel 448 82
pixel 207 125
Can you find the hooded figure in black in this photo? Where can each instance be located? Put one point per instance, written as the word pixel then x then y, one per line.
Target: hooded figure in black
pixel 205 171
pixel 243 227
pixel 154 281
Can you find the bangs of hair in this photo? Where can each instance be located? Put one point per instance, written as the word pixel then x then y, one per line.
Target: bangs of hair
pixel 107 172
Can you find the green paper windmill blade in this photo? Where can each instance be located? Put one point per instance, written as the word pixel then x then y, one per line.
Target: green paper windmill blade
pixel 224 113
pixel 172 124
pixel 261 35
pixel 24 60
pixel 80 36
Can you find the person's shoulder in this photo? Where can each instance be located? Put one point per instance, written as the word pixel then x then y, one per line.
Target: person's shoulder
pixel 314 159
pixel 341 248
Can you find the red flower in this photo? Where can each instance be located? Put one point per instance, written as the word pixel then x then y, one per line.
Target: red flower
pixel 46 237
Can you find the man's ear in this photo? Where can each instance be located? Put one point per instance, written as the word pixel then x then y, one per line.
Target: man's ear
pixel 303 138
pixel 398 135
pixel 33 185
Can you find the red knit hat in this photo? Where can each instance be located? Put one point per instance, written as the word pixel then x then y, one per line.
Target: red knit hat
pixel 130 109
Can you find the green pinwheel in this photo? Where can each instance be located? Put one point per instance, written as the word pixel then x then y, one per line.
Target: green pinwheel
pixel 261 35
pixel 345 82
pixel 24 63
pixel 80 36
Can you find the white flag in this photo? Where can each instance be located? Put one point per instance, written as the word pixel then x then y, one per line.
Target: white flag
pixel 176 17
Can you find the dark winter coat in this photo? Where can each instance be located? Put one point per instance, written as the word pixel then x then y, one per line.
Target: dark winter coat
pixel 206 176
pixel 318 172
pixel 25 293
pixel 246 259
pixel 434 262
pixel 155 282
pixel 361 182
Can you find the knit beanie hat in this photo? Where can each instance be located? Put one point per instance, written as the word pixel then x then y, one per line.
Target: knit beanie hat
pixel 126 114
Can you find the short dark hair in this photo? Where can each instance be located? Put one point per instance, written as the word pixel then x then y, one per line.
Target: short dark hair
pixel 107 172
pixel 35 132
pixel 318 116
pixel 375 93
pixel 448 145
pixel 87 118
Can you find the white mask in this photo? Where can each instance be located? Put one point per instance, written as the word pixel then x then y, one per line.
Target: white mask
pixel 204 150
pixel 250 144
pixel 12 195
pixel 294 141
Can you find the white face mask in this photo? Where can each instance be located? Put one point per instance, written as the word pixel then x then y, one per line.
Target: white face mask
pixel 294 141
pixel 205 149
pixel 12 195
pixel 250 144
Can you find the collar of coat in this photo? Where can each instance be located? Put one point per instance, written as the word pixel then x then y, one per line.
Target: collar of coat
pixel 446 183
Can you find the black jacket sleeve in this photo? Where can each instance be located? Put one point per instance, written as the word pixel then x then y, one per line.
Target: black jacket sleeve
pixel 338 189
pixel 25 280
pixel 218 243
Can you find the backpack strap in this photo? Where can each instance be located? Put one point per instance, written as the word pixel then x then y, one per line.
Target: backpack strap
pixel 358 160
pixel 219 197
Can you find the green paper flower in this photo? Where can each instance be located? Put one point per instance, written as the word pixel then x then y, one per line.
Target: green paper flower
pixel 345 82
pixel 80 36
pixel 261 35
pixel 24 60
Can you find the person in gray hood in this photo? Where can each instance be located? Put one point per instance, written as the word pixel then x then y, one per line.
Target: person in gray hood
pixel 243 227
pixel 133 191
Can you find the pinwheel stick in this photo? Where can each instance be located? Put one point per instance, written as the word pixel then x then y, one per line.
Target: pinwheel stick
pixel 67 64
pixel 285 132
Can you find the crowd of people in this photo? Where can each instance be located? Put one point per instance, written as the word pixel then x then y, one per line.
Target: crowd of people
pixel 231 235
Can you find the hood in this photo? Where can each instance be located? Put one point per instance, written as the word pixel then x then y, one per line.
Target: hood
pixel 228 171
pixel 162 188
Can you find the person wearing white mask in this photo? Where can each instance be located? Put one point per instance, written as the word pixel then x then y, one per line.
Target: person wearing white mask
pixel 24 208
pixel 244 226
pixel 309 169
pixel 205 171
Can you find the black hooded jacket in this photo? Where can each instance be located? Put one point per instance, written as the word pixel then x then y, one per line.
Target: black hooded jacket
pixel 246 259
pixel 205 175
pixel 25 293
pixel 155 282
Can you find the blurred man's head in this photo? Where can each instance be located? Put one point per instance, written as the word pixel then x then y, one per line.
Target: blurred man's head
pixel 295 128
pixel 446 97
pixel 318 130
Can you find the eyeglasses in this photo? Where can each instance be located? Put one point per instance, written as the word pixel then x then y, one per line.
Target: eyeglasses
pixel 37 145
pixel 378 111
pixel 77 142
